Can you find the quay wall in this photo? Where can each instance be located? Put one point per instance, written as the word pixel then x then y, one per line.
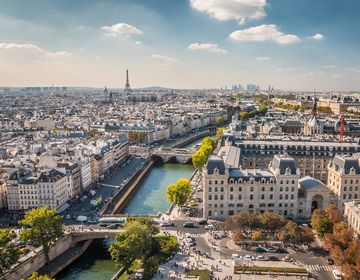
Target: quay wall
pixel 187 141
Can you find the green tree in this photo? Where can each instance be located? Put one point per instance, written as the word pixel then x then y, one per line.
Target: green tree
pixel 244 115
pixel 8 251
pixel 206 149
pixel 262 109
pixel 43 228
pixel 179 192
pixel 219 133
pixel 150 266
pixel 135 242
pixel 208 141
pixel 324 226
pixel 146 221
pixel 292 230
pixel 199 159
pixel 271 221
pixel 219 121
pixel 167 245
pixel 36 276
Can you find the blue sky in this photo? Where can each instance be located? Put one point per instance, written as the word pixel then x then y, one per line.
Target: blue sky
pixel 289 44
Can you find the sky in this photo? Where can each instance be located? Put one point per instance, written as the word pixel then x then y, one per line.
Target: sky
pixel 287 44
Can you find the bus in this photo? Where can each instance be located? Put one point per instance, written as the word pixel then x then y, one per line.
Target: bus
pixel 105 221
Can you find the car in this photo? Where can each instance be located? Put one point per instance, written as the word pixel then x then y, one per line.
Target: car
pixel 209 227
pixel 248 258
pixel 164 224
pixel 337 274
pixel 112 226
pixel 23 250
pixel 262 258
pixel 260 250
pixel 281 251
pixel 272 250
pixel 188 213
pixel 236 257
pixel 274 258
pixel 202 222
pixel 188 224
pixel 287 259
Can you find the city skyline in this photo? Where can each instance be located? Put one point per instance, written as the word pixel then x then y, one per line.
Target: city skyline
pixel 184 44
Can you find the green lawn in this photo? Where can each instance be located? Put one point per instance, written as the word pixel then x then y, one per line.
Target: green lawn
pixel 203 274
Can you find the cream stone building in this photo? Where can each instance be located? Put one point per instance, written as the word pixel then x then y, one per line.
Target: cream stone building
pixel 228 190
pixel 352 214
pixel 344 179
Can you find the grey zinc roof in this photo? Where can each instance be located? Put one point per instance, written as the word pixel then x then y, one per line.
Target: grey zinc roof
pixel 346 163
pixel 232 157
pixel 215 162
pixel 282 163
pixel 246 174
pixel 308 182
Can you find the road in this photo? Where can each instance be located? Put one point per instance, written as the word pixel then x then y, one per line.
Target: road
pixel 112 183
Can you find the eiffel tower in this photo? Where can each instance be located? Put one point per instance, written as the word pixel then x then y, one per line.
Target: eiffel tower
pixel 127 89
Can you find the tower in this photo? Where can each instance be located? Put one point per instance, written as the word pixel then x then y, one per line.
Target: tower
pixel 314 109
pixel 127 89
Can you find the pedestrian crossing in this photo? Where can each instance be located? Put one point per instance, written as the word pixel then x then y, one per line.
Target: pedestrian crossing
pixel 199 235
pixel 318 267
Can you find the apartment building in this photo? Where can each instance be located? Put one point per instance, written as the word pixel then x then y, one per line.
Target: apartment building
pixel 352 214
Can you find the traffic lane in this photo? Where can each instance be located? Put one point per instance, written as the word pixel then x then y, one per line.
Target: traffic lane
pixel 324 275
pixel 202 245
pixel 119 175
pixel 179 225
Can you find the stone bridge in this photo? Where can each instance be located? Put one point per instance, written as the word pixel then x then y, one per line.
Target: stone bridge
pixel 179 155
pixel 91 233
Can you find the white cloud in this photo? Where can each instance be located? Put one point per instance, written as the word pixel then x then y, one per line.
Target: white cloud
pixel 31 48
pixel 165 60
pixel 58 54
pixel 263 58
pixel 207 47
pixel 121 30
pixel 317 37
pixel 262 33
pixel 21 47
pixel 328 66
pixel 240 10
pixel 290 69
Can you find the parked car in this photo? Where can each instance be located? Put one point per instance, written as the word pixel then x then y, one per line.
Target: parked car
pixel 188 224
pixel 236 257
pixel 337 274
pixel 272 250
pixel 112 226
pixel 329 260
pixel 209 227
pixel 274 258
pixel 262 258
pixel 202 222
pixel 260 250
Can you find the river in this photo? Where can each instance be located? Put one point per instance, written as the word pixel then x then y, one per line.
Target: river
pixel 150 198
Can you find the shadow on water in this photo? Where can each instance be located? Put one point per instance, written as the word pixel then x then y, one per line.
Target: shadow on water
pixel 94 264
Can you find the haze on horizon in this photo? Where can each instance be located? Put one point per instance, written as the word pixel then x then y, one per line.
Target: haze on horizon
pixel 298 44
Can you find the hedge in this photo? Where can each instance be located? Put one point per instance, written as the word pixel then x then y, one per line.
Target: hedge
pixel 267 269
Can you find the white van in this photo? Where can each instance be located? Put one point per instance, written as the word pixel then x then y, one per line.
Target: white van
pixel 337 274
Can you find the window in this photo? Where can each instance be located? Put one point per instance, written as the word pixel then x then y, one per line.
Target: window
pixel 262 196
pixel 281 182
pixel 251 189
pixel 345 188
pixel 239 197
pixel 216 189
pixel 210 182
pixel 231 189
pixel 292 196
pixel 293 182
pixel 222 189
pixel 222 197
pixel 216 182
pixel 209 213
pixel 287 182
pixel 251 206
pixel 286 196
pixel 251 197
pixel 292 189
pixel 210 197
pixel 231 197
pixel 281 189
pixel 271 189
pixel 216 197
pixel 271 196
pixel 263 189
pixel 287 189
pixel 210 189
pixel 240 189
pixel 280 196
pixel 222 182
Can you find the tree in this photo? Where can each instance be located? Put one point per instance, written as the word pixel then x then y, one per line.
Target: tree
pixel 135 242
pixel 237 222
pixel 307 235
pixel 219 133
pixel 208 141
pixel 36 276
pixel 206 149
pixel 146 221
pixel 43 228
pixel 252 221
pixel 237 236
pixel 262 109
pixel 167 245
pixel 150 266
pixel 271 221
pixel 333 213
pixel 179 192
pixel 316 216
pixel 244 115
pixel 256 236
pixel 292 231
pixel 219 121
pixel 8 251
pixel 324 226
pixel 199 159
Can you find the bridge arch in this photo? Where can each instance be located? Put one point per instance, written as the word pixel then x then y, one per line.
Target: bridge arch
pixel 158 160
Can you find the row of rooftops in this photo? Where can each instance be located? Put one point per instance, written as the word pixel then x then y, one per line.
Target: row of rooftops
pixel 45 176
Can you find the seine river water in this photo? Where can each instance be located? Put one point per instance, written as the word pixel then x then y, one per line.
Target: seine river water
pixel 95 263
